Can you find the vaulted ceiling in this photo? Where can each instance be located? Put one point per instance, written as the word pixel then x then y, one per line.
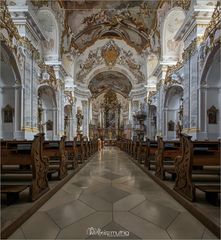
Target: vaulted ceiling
pixel 110 80
pixel 132 21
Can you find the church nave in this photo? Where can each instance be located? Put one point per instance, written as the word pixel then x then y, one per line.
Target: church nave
pixel 112 194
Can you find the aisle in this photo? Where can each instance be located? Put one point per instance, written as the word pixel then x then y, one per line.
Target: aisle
pixel 112 198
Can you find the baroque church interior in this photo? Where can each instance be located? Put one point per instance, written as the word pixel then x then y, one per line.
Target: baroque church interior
pixel 110 119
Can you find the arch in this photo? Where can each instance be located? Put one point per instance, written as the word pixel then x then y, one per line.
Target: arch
pixel 10 97
pixel 50 26
pixel 214 58
pixel 173 105
pixel 116 68
pixel 47 115
pixel 11 63
pixel 173 93
pixel 173 21
pixel 47 94
pixel 110 80
pixel 210 97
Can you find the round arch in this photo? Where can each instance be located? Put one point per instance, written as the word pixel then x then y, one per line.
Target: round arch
pixel 214 58
pixel 173 102
pixel 110 80
pixel 116 68
pixel 50 26
pixel 172 23
pixel 10 97
pixel 47 111
pixel 210 97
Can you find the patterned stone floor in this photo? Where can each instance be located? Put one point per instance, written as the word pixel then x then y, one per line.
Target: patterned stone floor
pixel 111 198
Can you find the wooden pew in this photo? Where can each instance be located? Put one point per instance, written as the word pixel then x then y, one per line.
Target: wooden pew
pixel 195 159
pixel 90 147
pixel 141 151
pixel 14 179
pixel 166 153
pixel 70 149
pixel 80 151
pixel 57 156
pixel 151 153
pixel 135 149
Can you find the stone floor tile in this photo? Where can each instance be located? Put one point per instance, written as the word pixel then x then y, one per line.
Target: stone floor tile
pixel 96 202
pixel 185 226
pixel 129 202
pixel 18 234
pixel 159 215
pixel 208 235
pixel 40 226
pixel 139 226
pixel 69 213
pixel 72 189
pixel 112 194
pixel 60 198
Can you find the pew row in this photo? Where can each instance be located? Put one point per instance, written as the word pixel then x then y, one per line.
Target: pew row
pixel 198 158
pixel 150 154
pixel 57 157
pixel 24 167
pixel 165 156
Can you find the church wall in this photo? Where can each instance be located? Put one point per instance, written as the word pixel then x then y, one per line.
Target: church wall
pixel 149 70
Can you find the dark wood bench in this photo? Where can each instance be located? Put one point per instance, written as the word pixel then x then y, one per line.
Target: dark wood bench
pixel 166 153
pixel 55 152
pixel 23 166
pixel 71 155
pixel 150 154
pixel 198 158
pixel 80 151
pixel 141 151
pixel 135 149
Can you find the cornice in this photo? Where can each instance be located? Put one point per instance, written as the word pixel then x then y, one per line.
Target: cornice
pixel 27 17
pixel 138 92
pixel 82 92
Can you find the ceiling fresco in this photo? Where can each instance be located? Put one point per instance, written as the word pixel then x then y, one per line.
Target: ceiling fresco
pixel 110 80
pixel 132 21
pixel 110 54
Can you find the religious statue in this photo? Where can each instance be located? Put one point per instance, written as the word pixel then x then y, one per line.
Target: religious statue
pixel 79 117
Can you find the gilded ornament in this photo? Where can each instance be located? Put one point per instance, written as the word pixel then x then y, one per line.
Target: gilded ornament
pixel 14 39
pixel 70 97
pixel 39 3
pixel 214 24
pixel 185 4
pixel 110 52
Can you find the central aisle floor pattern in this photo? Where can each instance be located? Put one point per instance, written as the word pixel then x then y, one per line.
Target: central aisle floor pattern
pixel 111 198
